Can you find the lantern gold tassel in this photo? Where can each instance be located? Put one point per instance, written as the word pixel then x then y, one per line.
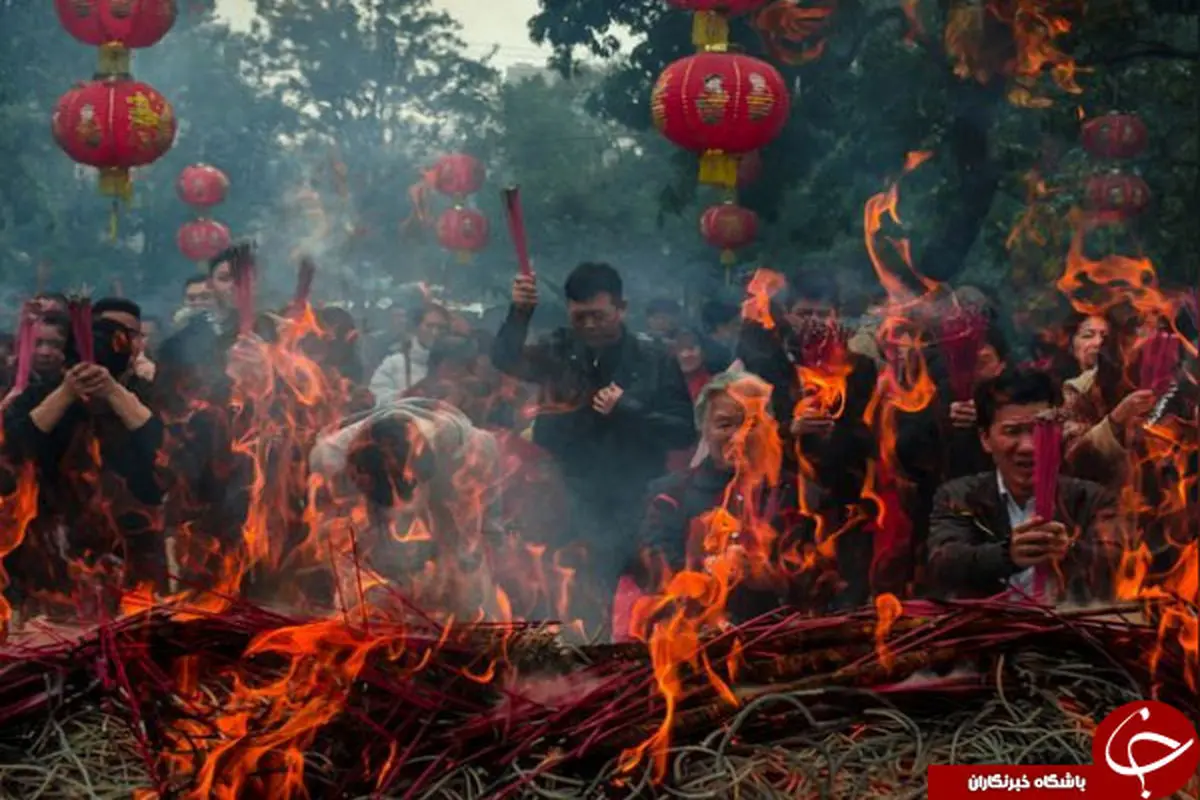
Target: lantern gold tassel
pixel 115 183
pixel 728 257
pixel 710 31
pixel 718 168
pixel 464 256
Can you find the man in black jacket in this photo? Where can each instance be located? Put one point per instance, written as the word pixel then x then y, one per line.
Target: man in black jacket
pixel 612 407
pixel 985 536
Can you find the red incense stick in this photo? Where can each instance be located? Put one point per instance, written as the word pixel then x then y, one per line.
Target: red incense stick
pixel 962 336
pixel 516 228
pixel 25 343
pixel 1047 459
pixel 245 277
pixel 304 282
pixel 81 328
pixel 1160 357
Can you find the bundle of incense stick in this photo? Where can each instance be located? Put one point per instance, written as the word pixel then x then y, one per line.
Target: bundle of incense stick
pixel 81 328
pixel 516 228
pixel 1047 459
pixel 245 277
pixel 1160 357
pixel 823 343
pixel 962 336
pixel 26 339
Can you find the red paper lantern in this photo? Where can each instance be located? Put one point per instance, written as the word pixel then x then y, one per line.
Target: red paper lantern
pixel 114 125
pixel 202 185
pixel 710 27
pixel 721 105
pixel 202 239
pixel 458 175
pixel 1115 136
pixel 728 227
pixel 1117 195
pixel 463 230
pixel 115 26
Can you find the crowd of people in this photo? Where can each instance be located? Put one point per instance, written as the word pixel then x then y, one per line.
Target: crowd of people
pixel 826 459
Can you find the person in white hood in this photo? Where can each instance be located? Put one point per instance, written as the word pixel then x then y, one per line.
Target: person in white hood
pixel 408 366
pixel 429 480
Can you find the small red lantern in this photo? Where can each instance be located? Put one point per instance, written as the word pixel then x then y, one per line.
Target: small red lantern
pixel 463 230
pixel 114 125
pixel 729 227
pixel 115 26
pixel 710 26
pixel 458 175
pixel 1115 136
pixel 202 186
pixel 1119 195
pixel 202 239
pixel 722 105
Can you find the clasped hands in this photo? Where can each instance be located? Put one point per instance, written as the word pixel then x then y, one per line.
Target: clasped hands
pixel 605 400
pixel 87 381
pixel 1038 542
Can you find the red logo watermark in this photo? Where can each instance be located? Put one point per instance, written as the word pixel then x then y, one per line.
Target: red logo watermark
pixel 1142 751
pixel 1150 749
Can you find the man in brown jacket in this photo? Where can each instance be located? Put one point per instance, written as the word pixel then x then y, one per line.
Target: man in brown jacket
pixel 985 537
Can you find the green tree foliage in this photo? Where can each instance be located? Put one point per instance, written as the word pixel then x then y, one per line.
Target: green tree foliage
pixel 350 99
pixel 590 187
pixel 877 93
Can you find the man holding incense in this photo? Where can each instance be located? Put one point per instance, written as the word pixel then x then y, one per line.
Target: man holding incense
pixel 92 439
pixel 209 478
pixel 986 535
pixel 614 406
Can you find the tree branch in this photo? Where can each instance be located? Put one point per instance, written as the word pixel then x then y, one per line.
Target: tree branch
pixel 1157 52
pixel 874 20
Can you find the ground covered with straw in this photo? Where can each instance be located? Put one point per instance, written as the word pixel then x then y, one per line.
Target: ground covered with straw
pixel 249 703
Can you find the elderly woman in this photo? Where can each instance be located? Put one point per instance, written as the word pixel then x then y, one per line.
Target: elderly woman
pixel 734 514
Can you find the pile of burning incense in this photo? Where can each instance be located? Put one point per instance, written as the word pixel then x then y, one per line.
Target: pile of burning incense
pixel 250 703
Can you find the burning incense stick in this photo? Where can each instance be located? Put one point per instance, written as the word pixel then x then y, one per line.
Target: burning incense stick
pixel 25 342
pixel 81 328
pixel 516 228
pixel 245 278
pixel 304 282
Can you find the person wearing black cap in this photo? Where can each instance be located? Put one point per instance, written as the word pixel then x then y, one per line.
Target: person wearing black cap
pixel 101 514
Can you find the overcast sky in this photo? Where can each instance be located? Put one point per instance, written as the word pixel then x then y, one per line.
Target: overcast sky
pixel 485 23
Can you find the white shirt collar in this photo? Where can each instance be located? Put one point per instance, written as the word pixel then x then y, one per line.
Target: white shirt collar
pixel 1017 514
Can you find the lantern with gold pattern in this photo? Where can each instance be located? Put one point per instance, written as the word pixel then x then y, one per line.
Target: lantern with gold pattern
pixel 721 105
pixel 114 125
